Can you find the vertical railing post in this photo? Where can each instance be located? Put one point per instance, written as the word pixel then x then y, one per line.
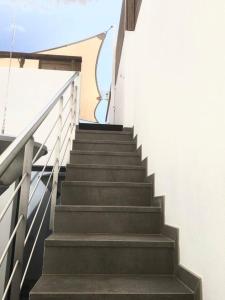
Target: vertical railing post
pixel 72 114
pixel 56 166
pixel 76 112
pixel 23 206
pixel 77 103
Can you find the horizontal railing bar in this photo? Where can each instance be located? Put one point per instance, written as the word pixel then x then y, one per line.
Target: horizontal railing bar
pixel 11 239
pixel 10 280
pixel 43 144
pixel 68 142
pixel 68 101
pixel 42 172
pixel 66 119
pixel 37 210
pixel 66 134
pixel 35 242
pixel 12 197
pixel 15 147
pixel 53 127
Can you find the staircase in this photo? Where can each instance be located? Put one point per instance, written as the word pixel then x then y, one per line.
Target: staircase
pixel 107 241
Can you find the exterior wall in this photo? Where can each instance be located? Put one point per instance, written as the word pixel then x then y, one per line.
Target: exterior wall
pixel 29 92
pixel 171 88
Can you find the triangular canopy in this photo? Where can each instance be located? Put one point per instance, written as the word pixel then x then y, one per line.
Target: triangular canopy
pixel 89 49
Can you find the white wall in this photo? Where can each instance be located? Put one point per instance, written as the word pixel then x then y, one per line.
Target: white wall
pixel 171 88
pixel 30 91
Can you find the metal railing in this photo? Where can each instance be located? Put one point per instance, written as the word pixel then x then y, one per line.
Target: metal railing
pixel 65 123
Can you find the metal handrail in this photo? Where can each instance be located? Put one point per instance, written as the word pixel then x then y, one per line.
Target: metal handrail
pixel 14 148
pixel 25 140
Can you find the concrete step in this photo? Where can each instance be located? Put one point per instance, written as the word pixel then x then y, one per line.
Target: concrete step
pixel 105 157
pixel 106 193
pixel 117 173
pixel 107 219
pixel 108 254
pixel 121 146
pixel 109 287
pixel 99 135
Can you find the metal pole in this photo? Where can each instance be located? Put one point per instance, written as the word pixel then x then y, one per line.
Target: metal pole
pixel 77 104
pixel 72 115
pixel 76 112
pixel 15 204
pixel 23 205
pixel 56 166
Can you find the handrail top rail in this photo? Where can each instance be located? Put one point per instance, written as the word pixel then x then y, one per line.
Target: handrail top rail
pixel 14 148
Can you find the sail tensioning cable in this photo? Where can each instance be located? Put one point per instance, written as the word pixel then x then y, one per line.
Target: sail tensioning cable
pixel 13 26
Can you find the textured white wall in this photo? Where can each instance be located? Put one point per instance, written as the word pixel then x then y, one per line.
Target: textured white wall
pixel 171 88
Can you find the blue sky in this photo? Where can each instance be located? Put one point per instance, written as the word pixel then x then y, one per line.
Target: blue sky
pixel 42 24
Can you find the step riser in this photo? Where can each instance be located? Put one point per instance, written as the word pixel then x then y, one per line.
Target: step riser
pixel 103 136
pixel 105 127
pixel 104 147
pixel 106 195
pixel 106 175
pixel 108 260
pixel 107 222
pixel 112 297
pixel 104 159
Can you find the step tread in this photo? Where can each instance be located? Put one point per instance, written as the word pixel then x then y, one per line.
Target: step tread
pixel 103 132
pixel 105 142
pixel 109 284
pixel 119 209
pixel 108 184
pixel 106 153
pixel 116 240
pixel 103 166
